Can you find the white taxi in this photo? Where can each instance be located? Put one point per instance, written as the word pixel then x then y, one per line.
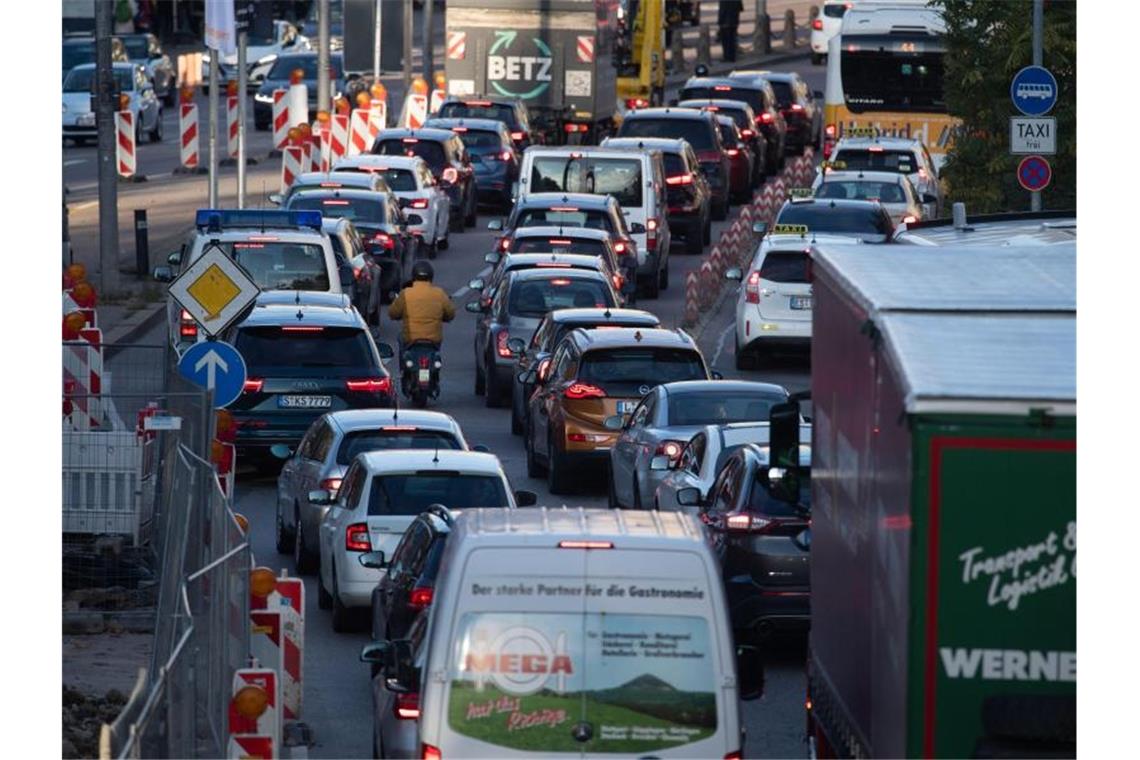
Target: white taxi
pixel 862 149
pixel 409 178
pixel 894 192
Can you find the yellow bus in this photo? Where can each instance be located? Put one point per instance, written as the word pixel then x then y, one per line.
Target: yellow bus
pixel 884 72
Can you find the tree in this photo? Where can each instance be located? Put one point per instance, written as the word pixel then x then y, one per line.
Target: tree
pixel 987 42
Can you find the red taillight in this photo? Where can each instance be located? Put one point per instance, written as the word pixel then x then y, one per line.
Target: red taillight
pixel 450 174
pixel 651 234
pixel 384 239
pixel 505 155
pixel 732 152
pixel 252 386
pixel 420 598
pixel 302 328
pixel 428 752
pixel 356 538
pixel 829 130
pixel 737 755
pixel 766 118
pixel 620 248
pixel 680 179
pixel 752 288
pixel 747 133
pixel 370 385
pixel 797 107
pixel 572 128
pixel 504 244
pixel 583 390
pixel 419 203
pixel 187 327
pixel 636 103
pixel 618 282
pixel 501 345
pixel 909 219
pixel 817 24
pixel 478 103
pixel 744 522
pixel 671 449
pixel 407 707
pixel 585 544
pixel 517 136
pixel 331 485
pixel 459 129
pixel 722 88
pixel 334 202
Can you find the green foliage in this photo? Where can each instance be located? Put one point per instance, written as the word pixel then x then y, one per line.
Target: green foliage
pixel 988 41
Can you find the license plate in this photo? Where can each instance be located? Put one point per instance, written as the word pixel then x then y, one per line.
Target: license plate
pixel 425 375
pixel 801 302
pixel 625 407
pixel 304 402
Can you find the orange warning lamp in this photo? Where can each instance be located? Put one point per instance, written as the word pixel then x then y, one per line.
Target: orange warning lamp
pixel 419 86
pixel 294 136
pixel 251 701
pixel 379 91
pixel 72 324
pixel 305 130
pixel 221 456
pixel 323 118
pixel 186 94
pixel 83 295
pixel 341 105
pixel 262 581
pixel 296 76
pixel 231 88
pixel 363 100
pixel 242 522
pixel 124 101
pixel 77 272
pixel 440 80
pixel 225 429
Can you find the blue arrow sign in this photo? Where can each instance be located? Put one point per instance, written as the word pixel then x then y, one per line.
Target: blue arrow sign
pixel 1034 90
pixel 216 366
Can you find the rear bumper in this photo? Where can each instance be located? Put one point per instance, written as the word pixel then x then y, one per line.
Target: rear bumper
pixel 750 332
pixel 751 605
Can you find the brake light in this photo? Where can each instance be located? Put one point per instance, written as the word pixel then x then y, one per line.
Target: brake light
pixel 450 174
pixel 481 103
pixel 636 103
pixel 410 140
pixel 420 598
pixel 356 538
pixel 264 238
pixel 187 327
pixel 752 288
pixel 680 179
pixel 407 706
pixel 744 522
pixel 651 234
pixel 331 485
pixel 874 148
pixel 618 281
pixel 732 152
pixel 797 107
pixel 302 328
pixel 501 344
pixel 334 203
pixel 765 118
pixel 459 129
pixel 252 385
pixel 331 184
pixel 585 544
pixel 713 109
pixel 620 248
pixel 560 241
pixel 817 24
pixel 829 130
pixel 428 752
pixel 385 240
pixel 517 135
pixel 583 390
pixel 505 155
pixel 419 203
pixel 671 449
pixel 504 244
pixel 564 209
pixel 737 755
pixel 572 128
pixel 747 133
pixel 909 219
pixel 370 385
pixel 722 88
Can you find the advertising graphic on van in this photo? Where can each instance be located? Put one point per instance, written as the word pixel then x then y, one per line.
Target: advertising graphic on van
pixel 641 683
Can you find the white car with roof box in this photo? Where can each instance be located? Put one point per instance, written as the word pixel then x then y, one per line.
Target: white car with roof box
pixel 410 179
pixel 862 149
pixel 379 497
pixel 576 633
pixel 893 191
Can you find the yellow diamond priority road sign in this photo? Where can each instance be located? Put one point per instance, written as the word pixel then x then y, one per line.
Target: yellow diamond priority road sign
pixel 215 290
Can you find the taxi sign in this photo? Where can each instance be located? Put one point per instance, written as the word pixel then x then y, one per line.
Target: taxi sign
pixel 861 132
pixel 214 290
pixel 799 192
pixel 789 229
pixel 833 165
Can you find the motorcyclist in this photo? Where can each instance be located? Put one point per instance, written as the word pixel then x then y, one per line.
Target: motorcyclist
pixel 423 307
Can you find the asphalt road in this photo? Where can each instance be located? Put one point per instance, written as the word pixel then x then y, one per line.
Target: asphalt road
pixel 337 700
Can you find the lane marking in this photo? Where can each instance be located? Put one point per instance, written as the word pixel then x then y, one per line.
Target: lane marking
pixel 74 161
pixel 465 290
pixel 720 343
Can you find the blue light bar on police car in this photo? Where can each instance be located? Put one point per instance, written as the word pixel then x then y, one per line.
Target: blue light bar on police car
pixel 222 218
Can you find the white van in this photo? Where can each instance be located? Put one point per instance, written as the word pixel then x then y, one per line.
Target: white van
pixel 586 632
pixel 636 178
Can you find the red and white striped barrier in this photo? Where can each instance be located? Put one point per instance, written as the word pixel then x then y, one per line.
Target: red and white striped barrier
pixel 125 143
pixel 379 114
pixel 265 637
pixel 255 736
pixel 288 598
pixel 188 135
pixel 280 119
pixel 364 129
pixel 292 158
pixel 83 379
pixel 298 104
pixel 414 113
pixel 317 142
pixel 232 126
pixel 436 100
pixel 338 140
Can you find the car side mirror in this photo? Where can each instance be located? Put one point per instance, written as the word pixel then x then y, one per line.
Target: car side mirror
pixel 495 224
pixel 281 451
pixel 525 377
pixel 689 497
pixel 614 422
pixel 637 228
pixel 477 283
pixel 386 350
pixel 375 560
pixel 734 273
pixel 378 652
pixel 474 307
pixel 526 498
pixel 716 375
pixel 481 447
pixel 276 199
pixel 403 678
pixel 321 497
pixel 543 371
pixel 760 228
pixel 749 673
pixel 347 277
pixel 163 274
pixel 492 258
pixel 660 462
pixel 516 346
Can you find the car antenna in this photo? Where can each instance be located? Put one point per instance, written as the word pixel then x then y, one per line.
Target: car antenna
pixel 435 457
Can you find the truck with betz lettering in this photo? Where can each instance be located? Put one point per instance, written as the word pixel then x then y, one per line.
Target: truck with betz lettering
pixel 943 568
pixel 556 56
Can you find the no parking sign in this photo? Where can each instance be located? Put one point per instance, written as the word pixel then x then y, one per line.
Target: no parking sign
pixel 1034 173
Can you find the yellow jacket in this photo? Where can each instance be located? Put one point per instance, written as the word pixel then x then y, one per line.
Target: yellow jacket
pixel 424 308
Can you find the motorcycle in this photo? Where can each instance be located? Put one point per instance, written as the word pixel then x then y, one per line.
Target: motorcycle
pixel 419 380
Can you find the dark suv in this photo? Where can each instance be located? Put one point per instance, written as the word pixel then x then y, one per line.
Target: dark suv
pixel 510 111
pixel 798 105
pixel 763 543
pixel 758 94
pixel 305 354
pixel 699 128
pixel 445 155
pixel 493 155
pixel 745 119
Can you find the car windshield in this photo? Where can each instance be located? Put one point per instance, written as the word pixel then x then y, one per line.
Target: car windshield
pixel 138 48
pixel 362 210
pixel 763 502
pixel 393 437
pixel 266 349
pixel 834 10
pixel 619 177
pixel 877 159
pixel 624 371
pixel 83 80
pixel 398 180
pixel 696 131
pixel 76 54
pixel 480 141
pixel 674 165
pixel 412 493
pixel 278 265
pixel 885 192
pixel 728 135
pixel 546 244
pixel 429 150
pixel 720 407
pixel 549 217
pixel 534 298
pixel 783 92
pixel 867 222
pixel 481 109
pixel 785 266
pixel 754 98
pixel 307 63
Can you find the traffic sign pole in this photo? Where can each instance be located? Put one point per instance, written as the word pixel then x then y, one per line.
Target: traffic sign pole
pixel 1038 24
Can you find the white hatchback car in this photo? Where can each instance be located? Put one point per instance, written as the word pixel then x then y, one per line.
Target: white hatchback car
pixel 410 179
pixel 901 155
pixel 825 26
pixel 379 497
pixel 894 192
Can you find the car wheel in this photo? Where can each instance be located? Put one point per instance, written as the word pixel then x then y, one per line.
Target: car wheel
pixel 324 598
pixel 816 59
pixel 695 237
pixel 516 418
pixel 533 470
pixel 431 251
pixel 442 244
pixel 494 398
pixel 652 286
pixel 555 469
pixel 472 210
pixel 303 559
pixel 663 277
pixel 480 381
pixel 340 614
pixel 455 222
pixel 636 493
pixel 156 133
pixel 611 492
pixel 720 210
pixel 285 539
pixel 708 229
pixel 138 131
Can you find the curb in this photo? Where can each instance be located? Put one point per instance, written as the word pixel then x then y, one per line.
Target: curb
pixel 133 326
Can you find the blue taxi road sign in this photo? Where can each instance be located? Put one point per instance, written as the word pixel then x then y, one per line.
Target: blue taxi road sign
pixel 1033 90
pixel 216 366
pixel 1034 173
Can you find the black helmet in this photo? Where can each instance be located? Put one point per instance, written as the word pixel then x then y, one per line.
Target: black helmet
pixel 422 270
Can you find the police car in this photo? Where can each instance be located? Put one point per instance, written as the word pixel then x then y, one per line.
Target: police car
pixel 774 308
pixel 279 250
pixel 863 149
pixel 894 192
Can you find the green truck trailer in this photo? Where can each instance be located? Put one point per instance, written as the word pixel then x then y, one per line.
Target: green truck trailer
pixel 944 502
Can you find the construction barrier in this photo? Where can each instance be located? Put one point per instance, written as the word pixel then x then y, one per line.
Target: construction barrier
pixel 83 380
pixel 379 114
pixel 254 714
pixel 125 143
pixel 288 598
pixel 317 150
pixel 292 165
pixel 232 126
pixel 298 98
pixel 414 113
pixel 338 140
pixel 280 119
pixel 188 135
pixel 437 98
pixel 363 130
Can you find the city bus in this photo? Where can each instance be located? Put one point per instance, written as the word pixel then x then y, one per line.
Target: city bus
pixel 884 71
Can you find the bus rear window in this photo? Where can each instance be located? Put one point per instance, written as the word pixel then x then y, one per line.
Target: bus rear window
pixel 876 80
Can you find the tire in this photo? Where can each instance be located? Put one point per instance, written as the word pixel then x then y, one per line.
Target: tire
pixel 555 469
pixel 719 211
pixel 494 396
pixel 156 133
pixel 442 244
pixel 171 98
pixel 303 560
pixel 695 237
pixel 138 132
pixel 652 287
pixel 636 493
pixel 611 494
pixel 472 211
pixel 431 251
pixel 533 470
pixel 419 399
pixel 663 277
pixel 480 382
pixel 261 126
pixel 455 223
pixel 285 539
pixel 341 615
pixel 816 59
pixel 708 229
pixel 324 598
pixel 516 420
